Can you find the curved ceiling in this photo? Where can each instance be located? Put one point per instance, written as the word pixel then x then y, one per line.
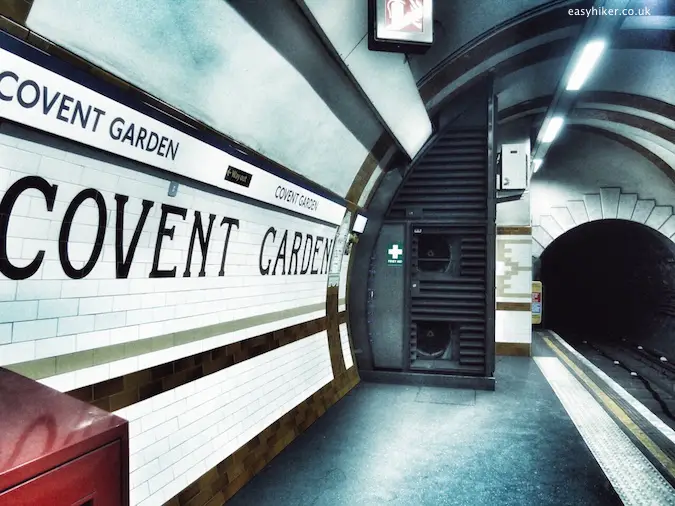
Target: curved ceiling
pixel 251 74
pixel 628 98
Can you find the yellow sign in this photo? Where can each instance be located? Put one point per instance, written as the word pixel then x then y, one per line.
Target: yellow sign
pixel 536 302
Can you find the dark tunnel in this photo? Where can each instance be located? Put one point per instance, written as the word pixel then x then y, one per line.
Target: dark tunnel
pixel 610 280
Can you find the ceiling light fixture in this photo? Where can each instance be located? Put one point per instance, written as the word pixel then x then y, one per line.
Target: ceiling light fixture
pixel 553 128
pixel 587 60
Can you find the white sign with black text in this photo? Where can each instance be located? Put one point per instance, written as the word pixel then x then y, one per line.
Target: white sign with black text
pixel 34 96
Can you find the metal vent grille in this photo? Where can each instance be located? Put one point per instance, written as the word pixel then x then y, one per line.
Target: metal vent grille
pixel 445 198
pixel 456 296
pixel 449 182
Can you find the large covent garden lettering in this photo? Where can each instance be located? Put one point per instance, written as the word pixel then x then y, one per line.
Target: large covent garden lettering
pixel 297 253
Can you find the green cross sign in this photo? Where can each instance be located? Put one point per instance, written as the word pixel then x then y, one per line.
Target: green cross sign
pixel 394 254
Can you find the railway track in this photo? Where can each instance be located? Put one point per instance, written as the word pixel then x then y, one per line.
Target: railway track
pixel 645 373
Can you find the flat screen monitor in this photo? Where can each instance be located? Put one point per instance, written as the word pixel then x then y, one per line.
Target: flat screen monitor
pixel 399 25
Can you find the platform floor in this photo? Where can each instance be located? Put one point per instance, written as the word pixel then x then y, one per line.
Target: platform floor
pixel 418 446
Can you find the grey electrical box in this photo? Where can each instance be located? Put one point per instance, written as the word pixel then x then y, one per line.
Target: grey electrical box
pixel 515 169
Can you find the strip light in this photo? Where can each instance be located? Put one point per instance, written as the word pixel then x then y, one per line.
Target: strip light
pixel 553 128
pixel 587 60
pixel 537 163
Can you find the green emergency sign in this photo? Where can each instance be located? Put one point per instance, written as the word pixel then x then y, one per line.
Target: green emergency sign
pixel 394 254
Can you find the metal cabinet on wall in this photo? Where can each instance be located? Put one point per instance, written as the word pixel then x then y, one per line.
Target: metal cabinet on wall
pixel 444 213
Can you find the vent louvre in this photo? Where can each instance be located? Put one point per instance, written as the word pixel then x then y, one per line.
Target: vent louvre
pixel 450 181
pixel 448 193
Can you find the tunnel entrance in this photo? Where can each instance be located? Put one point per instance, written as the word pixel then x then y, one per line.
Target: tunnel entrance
pixel 610 280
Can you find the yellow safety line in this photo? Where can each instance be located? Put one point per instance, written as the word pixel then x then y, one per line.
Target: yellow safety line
pixel 615 409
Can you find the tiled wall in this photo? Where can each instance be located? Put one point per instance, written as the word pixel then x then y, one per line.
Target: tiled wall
pixel 342 293
pixel 346 346
pixel 176 436
pixel 237 352
pixel 514 268
pixel 51 315
pixel 513 320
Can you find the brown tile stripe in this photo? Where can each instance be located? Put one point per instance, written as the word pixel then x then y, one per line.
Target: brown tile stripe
pixel 631 100
pixel 649 104
pixel 662 165
pixel 514 306
pixel 333 331
pixel 16 10
pixel 519 230
pixel 129 389
pixel 368 166
pixel 634 101
pixel 639 102
pixel 13 28
pixel 525 107
pixel 646 124
pixel 222 481
pixel 513 349
pixel 658 40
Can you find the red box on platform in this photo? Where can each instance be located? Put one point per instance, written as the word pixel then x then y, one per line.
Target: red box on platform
pixel 58 451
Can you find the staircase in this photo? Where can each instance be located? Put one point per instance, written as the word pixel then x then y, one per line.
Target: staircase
pixel 609 204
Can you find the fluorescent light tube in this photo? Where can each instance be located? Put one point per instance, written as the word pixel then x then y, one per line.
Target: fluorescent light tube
pixel 537 163
pixel 587 60
pixel 554 126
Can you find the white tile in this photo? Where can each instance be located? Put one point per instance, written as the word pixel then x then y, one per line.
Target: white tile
pixel 7 290
pixel 122 367
pixel 136 461
pixel 54 347
pixel 202 443
pixel 110 320
pixel 124 334
pixel 95 305
pixel 151 420
pixel 113 287
pixel 79 288
pixel 27 228
pixel 19 160
pixel 51 271
pixel 155 450
pixel 5 333
pixel 92 340
pixel 76 325
pixel 51 168
pixel 18 311
pixel 143 474
pixel 92 375
pixel 14 247
pixel 138 494
pixel 17 352
pixel 55 308
pixel 62 382
pixel 34 330
pixel 127 302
